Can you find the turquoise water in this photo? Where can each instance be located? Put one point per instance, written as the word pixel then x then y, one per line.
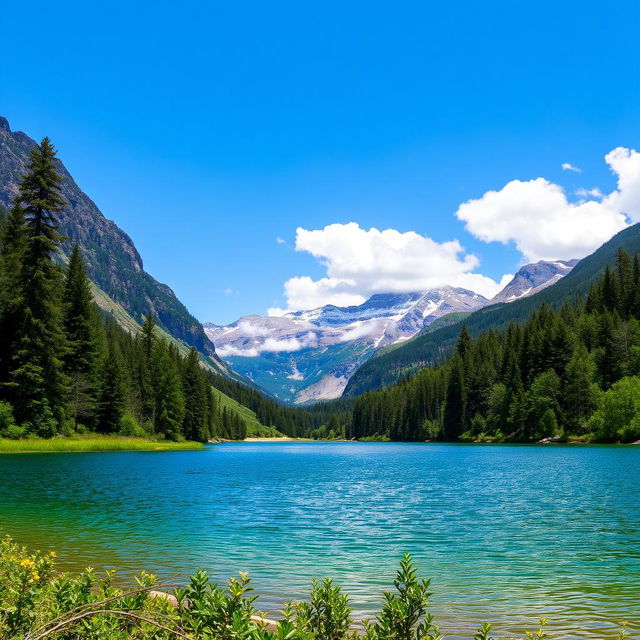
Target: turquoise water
pixel 507 533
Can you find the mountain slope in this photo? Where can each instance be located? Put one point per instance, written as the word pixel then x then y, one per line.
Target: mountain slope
pixel 113 263
pixel 308 356
pixel 533 278
pixel 388 366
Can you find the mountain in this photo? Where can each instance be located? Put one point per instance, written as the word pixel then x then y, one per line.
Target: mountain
pixel 389 365
pixel 306 356
pixel 114 265
pixel 533 278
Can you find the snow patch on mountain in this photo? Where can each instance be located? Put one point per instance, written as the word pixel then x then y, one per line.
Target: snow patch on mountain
pixel 533 278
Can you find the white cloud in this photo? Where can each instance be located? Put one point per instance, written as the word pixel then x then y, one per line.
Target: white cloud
pixel 228 291
pixel 270 345
pixel 539 219
pixel 567 166
pixel 253 330
pixel 589 193
pixel 280 240
pixel 361 262
pixel 227 351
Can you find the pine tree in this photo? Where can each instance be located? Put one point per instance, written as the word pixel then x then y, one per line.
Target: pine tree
pixel 112 395
pixel 13 243
pixel 170 405
pixel 37 376
pixel 579 394
pixel 195 397
pixel 454 410
pixel 79 322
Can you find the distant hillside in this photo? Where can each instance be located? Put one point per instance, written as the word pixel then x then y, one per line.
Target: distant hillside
pixel 386 367
pixel 113 262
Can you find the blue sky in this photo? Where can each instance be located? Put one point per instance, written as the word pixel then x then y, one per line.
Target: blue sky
pixel 207 130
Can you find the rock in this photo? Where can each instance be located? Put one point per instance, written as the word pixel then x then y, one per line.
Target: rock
pixel 266 623
pixel 172 600
pixel 549 440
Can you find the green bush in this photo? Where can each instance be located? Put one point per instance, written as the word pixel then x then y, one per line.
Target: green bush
pixel 37 603
pixel 618 418
pixel 13 432
pixel 129 426
pixel 6 418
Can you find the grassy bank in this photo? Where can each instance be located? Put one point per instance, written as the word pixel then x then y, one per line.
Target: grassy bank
pixel 92 443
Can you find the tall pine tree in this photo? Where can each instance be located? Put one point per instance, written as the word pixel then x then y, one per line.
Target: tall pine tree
pixel 81 360
pixel 37 376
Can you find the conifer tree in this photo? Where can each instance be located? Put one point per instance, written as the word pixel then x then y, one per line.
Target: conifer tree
pixel 195 397
pixel 112 394
pixel 37 376
pixel 79 323
pixel 13 242
pixel 454 410
pixel 170 405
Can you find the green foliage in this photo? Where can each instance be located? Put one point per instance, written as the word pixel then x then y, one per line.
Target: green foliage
pixel 35 381
pixel 404 612
pixel 327 615
pixel 537 380
pixel 36 603
pixel 618 417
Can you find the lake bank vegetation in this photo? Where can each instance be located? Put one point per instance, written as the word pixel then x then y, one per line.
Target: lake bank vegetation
pixel 36 603
pixel 93 442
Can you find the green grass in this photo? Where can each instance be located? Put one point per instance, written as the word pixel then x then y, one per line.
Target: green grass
pixel 92 443
pixel 255 429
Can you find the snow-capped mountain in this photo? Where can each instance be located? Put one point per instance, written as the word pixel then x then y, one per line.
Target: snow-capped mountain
pixel 533 278
pixel 309 355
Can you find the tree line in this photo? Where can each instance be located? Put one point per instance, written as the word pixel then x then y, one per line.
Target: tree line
pixel 572 372
pixel 66 367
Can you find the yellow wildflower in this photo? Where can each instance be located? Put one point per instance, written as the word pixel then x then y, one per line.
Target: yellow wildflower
pixel 52 554
pixel 35 577
pixel 27 563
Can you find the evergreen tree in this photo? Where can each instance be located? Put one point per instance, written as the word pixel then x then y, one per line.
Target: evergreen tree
pixel 112 395
pixel 580 393
pixel 195 396
pixel 79 324
pixel 13 243
pixel 37 378
pixel 169 396
pixel 454 411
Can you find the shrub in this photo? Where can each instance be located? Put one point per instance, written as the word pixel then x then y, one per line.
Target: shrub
pixel 13 432
pixel 6 418
pixel 129 426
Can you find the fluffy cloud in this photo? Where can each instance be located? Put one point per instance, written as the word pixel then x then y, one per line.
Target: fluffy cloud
pixel 567 166
pixel 271 345
pixel 361 262
pixel 539 219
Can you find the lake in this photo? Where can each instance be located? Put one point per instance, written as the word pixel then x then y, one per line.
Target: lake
pixel 507 533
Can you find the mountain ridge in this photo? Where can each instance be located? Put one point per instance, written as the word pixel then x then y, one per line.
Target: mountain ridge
pixel 305 356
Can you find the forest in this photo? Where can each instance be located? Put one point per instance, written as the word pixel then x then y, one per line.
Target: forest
pixel 567 373
pixel 66 367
